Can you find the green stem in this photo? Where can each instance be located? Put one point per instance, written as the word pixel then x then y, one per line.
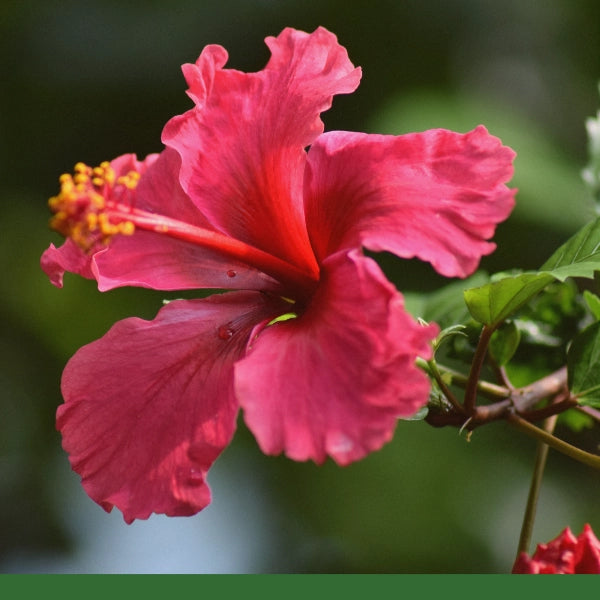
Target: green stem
pixel 534 489
pixel 592 460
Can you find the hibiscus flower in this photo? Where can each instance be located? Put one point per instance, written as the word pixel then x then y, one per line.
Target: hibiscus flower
pixel 311 341
pixel 565 555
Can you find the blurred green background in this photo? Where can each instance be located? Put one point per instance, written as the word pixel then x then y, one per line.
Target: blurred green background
pixel 88 80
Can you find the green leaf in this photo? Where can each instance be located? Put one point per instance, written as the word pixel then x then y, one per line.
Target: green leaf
pixel 593 303
pixel 578 257
pixel 504 343
pixel 493 303
pixel 583 366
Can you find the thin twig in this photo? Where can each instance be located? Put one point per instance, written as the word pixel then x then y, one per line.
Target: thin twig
pixel 476 366
pixel 521 401
pixel 592 460
pixel 503 378
pixel 558 405
pixel 527 397
pixel 534 488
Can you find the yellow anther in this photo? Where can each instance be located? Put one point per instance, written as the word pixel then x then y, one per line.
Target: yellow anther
pixel 91 221
pixel 66 185
pixel 126 228
pixel 97 200
pixel 81 178
pixel 89 207
pixel 109 173
pixel 130 180
pixel 104 224
pixel 61 215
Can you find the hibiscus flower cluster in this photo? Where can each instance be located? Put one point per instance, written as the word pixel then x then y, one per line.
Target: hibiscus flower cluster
pixel 565 555
pixel 304 334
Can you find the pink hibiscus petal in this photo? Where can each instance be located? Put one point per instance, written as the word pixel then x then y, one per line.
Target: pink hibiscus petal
pixel 153 261
pixel 334 381
pixel 243 146
pixel 150 406
pixel 436 195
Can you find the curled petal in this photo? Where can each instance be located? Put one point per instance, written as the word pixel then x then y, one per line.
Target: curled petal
pixel 243 146
pixel 55 262
pixel 150 406
pixel 334 381
pixel 437 195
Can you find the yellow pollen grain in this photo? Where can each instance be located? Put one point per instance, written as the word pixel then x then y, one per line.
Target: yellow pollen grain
pixel 67 186
pixel 82 209
pixel 91 221
pixel 97 201
pixel 81 168
pixel 103 221
pixel 130 180
pixel 81 179
pixel 126 228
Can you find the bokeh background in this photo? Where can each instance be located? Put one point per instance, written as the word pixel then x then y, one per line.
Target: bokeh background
pixel 89 80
